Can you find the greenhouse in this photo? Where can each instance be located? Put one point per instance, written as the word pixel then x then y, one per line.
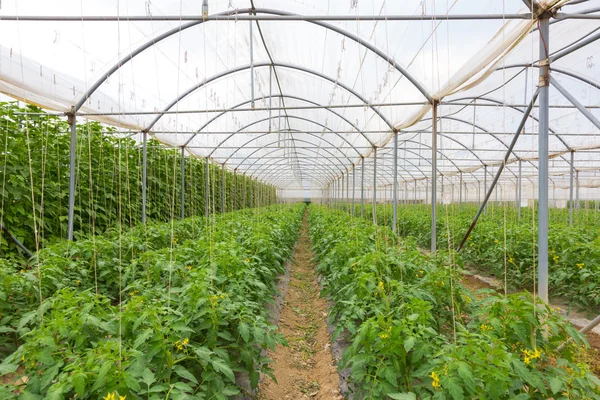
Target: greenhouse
pixel 260 199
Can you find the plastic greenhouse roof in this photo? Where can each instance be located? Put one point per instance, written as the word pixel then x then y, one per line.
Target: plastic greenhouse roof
pixel 326 92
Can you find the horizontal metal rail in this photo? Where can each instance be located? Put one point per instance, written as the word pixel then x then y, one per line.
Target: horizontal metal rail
pixel 260 17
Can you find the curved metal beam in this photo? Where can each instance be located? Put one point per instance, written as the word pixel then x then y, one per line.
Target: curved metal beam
pixel 283 97
pixel 386 150
pixel 188 25
pixel 273 150
pixel 239 131
pixel 274 162
pixel 335 176
pixel 295 139
pixel 265 134
pixel 476 126
pixel 274 65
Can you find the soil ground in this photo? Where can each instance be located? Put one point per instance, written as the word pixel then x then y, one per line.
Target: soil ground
pixel 305 369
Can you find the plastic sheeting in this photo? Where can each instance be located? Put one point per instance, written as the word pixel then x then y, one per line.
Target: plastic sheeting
pixel 367 77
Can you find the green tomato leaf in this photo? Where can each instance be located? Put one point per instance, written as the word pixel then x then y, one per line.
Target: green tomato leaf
pixel 184 373
pixel 220 366
pixel 148 377
pixel 402 396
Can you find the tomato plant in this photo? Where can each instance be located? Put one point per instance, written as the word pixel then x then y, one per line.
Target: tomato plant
pixel 142 316
pixel 416 332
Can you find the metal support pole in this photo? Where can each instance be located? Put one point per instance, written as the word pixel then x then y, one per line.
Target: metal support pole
pixel 460 191
pixel 223 189
pixel 182 182
pixel 347 191
pixel 519 190
pixel 144 174
pixel 334 193
pixel 394 195
pixel 576 190
pixel 342 191
pixel 235 189
pixel 544 80
pixel 72 154
pixel 374 185
pixel 207 189
pixel 571 170
pixel 251 193
pixel 244 193
pixel 485 186
pixel 353 190
pixel 434 177
pixel 362 187
pixel 270 95
pixel 251 67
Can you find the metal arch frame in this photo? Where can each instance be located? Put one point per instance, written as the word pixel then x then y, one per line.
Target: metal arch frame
pixel 409 173
pixel 184 27
pixel 279 182
pixel 569 148
pixel 282 176
pixel 428 160
pixel 419 169
pixel 485 98
pixel 291 131
pixel 329 166
pixel 286 130
pixel 282 148
pixel 478 127
pixel 494 136
pixel 274 65
pixel 555 69
pixel 451 139
pixel 386 149
pixel 320 138
pixel 287 97
pixel 257 174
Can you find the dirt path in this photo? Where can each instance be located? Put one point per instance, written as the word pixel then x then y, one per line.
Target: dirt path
pixel 305 369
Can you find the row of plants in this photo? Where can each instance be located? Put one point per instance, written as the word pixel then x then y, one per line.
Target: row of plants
pixel 574 259
pixel 415 332
pixel 166 311
pixel 34 180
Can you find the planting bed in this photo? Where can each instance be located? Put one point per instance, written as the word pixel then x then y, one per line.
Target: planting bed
pixel 416 332
pixel 167 311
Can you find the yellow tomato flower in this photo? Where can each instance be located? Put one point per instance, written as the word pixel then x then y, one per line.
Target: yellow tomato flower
pixel 580 265
pixel 529 355
pixel 435 380
pixel 383 336
pixel 110 396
